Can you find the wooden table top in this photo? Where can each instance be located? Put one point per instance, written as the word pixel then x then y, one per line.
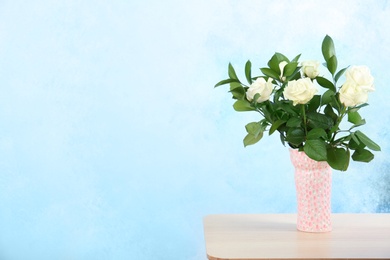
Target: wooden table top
pixel 274 236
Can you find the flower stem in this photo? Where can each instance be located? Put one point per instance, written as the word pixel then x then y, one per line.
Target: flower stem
pixel 340 118
pixel 304 118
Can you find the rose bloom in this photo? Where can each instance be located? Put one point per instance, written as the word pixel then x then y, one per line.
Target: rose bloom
pixel 361 75
pixel 352 94
pixel 310 68
pixel 262 87
pixel 300 91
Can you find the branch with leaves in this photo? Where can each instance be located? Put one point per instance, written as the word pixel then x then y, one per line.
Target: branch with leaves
pixel 286 97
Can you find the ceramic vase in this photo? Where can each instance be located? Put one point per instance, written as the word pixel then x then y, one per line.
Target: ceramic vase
pixel 313 181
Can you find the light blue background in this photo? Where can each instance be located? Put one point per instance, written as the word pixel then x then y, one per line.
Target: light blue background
pixel 114 143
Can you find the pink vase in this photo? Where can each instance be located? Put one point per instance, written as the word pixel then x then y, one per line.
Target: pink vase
pixel 313 181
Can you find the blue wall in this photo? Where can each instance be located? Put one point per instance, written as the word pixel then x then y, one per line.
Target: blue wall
pixel 114 143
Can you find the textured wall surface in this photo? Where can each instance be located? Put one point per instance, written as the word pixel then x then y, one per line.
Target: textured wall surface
pixel 114 143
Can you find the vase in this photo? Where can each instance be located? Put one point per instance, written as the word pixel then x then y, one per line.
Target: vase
pixel 313 182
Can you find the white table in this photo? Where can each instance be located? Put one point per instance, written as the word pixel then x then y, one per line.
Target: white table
pixel 274 236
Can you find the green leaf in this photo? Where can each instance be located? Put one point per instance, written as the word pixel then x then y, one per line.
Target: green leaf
pixel 289 108
pixel 276 125
pixel 329 53
pixel 277 94
pixel 354 143
pixel 316 133
pixel 226 81
pixel 294 122
pixel 295 136
pixel 277 58
pixel 328 49
pixel 327 97
pixel 290 68
pixel 242 105
pixel 326 83
pixel 270 73
pixel 255 98
pixel 363 122
pixel 314 103
pixel 334 129
pixel 362 155
pixel 282 139
pixel 238 93
pixel 234 85
pixel 316 149
pixel 232 72
pixel 339 74
pixel 330 113
pixel 356 140
pixel 295 75
pixel 251 139
pixel 355 118
pixel 332 64
pixel 248 68
pixel 296 58
pixel 367 141
pixel 317 120
pixel 254 128
pixel 338 158
pixel 336 103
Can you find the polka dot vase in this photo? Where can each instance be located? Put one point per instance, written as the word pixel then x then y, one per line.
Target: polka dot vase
pixel 313 181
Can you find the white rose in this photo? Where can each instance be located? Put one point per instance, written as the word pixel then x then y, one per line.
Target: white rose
pixel 361 75
pixel 300 91
pixel 351 94
pixel 262 87
pixel 310 68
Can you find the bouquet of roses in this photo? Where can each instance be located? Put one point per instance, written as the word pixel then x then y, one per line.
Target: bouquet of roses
pixel 287 98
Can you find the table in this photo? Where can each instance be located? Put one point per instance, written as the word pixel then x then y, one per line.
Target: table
pixel 274 236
